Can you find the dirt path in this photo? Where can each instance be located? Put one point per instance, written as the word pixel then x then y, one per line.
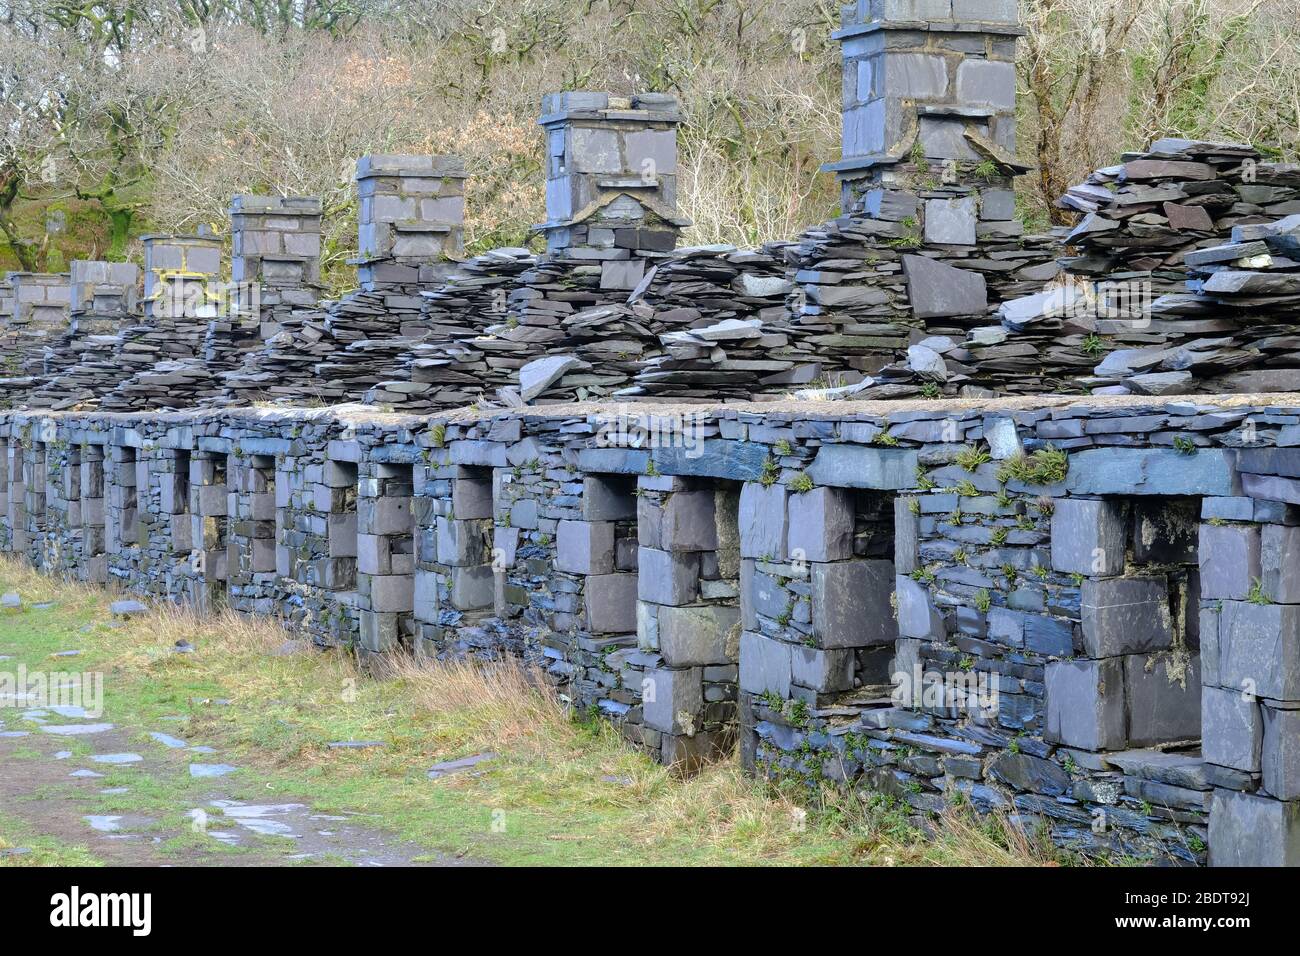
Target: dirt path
pixel 60 794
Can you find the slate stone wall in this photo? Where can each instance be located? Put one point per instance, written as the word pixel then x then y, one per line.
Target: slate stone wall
pixel 1079 615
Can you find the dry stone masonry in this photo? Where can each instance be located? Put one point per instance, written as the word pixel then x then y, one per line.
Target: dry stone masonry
pixel 1072 611
pixel 1081 612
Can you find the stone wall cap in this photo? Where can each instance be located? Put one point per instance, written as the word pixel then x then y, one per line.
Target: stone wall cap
pixel 275 205
pixel 403 164
pixel 597 106
pixel 928 26
pixel 183 239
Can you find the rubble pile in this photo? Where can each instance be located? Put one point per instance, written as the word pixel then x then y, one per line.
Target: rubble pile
pixel 104 297
pixel 1132 318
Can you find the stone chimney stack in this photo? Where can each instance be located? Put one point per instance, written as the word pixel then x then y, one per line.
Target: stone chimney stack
pixel 6 300
pixel 611 175
pixel 275 248
pixel 177 273
pixel 929 83
pixel 411 225
pixel 104 295
pixel 40 301
pixel 275 241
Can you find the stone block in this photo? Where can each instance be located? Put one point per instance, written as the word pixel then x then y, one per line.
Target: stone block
pixel 212 500
pixel 373 554
pixel 610 603
pixel 689 522
pixel 1230 561
pixel 691 636
pixel 392 593
pixel 987 83
pixel 471 498
pixel 1280 755
pixel 1164 699
pixel 1088 537
pixel 342 532
pixel 672 699
pixel 689 755
pixel 585 547
pixel 769 598
pixel 390 516
pixel 1259 649
pixel 914 76
pixel 471 588
pixel 460 543
pixel 986 11
pixel 851 604
pixel 1232 729
pixel 378 632
pixel 860 466
pixel 766 665
pixel 821 525
pixel 1159 471
pixel 938 290
pixel 997 205
pixel 825 671
pixel 1280 563
pixel 1249 830
pixel 668 577
pixel 749 580
pixel 951 222
pixel 917 615
pixel 647 626
pixel 764 522
pixel 907 530
pixel 1126 615
pixel 426 605
pixel 1085 704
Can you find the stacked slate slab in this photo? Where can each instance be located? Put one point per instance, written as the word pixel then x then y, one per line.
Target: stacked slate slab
pixel 931 240
pixel 1149 225
pixel 37 318
pixel 274 270
pixel 104 299
pixel 410 229
pixel 159 362
pixel 452 365
pixel 1249 288
pixel 720 315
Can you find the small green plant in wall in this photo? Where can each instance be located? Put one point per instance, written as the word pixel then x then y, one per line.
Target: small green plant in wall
pixel 801 483
pixel 1257 595
pixel 970 458
pixel 1047 466
pixel 1093 345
